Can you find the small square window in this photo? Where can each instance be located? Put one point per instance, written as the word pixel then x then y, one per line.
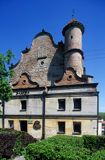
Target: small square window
pixel 23 105
pixel 61 104
pixel 11 124
pixel 61 127
pixel 76 128
pixel 77 104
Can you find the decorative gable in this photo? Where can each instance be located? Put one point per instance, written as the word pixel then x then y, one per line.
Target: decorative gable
pixel 24 82
pixel 70 77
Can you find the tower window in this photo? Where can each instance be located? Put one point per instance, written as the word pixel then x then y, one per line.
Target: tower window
pixel 71 37
pixel 42 62
pixel 23 105
pixel 77 104
pixel 61 127
pixel 76 128
pixel 61 104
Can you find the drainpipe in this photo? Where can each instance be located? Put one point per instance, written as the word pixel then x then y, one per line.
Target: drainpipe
pixel 43 112
pixel 3 110
pixel 97 111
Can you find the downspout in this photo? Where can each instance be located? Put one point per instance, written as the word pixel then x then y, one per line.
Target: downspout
pixel 43 112
pixel 97 111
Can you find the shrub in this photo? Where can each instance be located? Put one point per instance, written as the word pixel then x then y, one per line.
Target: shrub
pixel 90 142
pixel 12 142
pixel 58 147
pixel 99 155
pixel 64 140
pixel 94 143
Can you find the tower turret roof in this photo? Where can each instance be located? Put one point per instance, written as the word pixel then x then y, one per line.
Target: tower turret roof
pixel 73 23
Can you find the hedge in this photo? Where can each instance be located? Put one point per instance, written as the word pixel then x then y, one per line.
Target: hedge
pixel 57 148
pixel 99 155
pixel 94 143
pixel 64 147
pixel 12 142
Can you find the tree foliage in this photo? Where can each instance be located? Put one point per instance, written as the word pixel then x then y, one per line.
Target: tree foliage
pixel 5 75
pixel 102 115
pixel 12 142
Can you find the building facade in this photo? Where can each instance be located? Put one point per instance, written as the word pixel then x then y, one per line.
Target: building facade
pixel 101 127
pixel 52 94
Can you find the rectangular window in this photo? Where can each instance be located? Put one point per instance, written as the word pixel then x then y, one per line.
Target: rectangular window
pixel 61 127
pixel 23 126
pixel 77 104
pixel 76 128
pixel 23 105
pixel 42 53
pixel 61 104
pixel 11 124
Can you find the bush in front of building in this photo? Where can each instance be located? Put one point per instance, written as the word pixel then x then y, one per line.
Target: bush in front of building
pixel 94 143
pixel 99 155
pixel 65 139
pixel 12 142
pixel 58 147
pixel 62 147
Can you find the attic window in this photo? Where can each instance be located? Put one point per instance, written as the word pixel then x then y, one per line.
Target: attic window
pixel 71 37
pixel 69 77
pixel 24 81
pixel 42 62
pixel 42 53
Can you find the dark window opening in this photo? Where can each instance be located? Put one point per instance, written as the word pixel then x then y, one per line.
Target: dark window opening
pixel 61 127
pixel 76 128
pixel 69 77
pixel 11 124
pixel 77 104
pixel 42 62
pixel 61 104
pixel 24 81
pixel 23 126
pixel 71 37
pixel 23 105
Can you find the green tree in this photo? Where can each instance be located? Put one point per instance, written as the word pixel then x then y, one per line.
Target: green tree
pixel 102 115
pixel 5 75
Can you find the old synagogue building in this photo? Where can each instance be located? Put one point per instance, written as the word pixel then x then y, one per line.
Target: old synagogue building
pixel 52 94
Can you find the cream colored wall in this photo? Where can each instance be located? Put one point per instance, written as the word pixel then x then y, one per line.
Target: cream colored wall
pixel 87 126
pixel 0 117
pixel 35 133
pixel 0 123
pixel 51 126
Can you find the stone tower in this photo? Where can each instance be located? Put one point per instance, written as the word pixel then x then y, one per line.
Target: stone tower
pixel 73 55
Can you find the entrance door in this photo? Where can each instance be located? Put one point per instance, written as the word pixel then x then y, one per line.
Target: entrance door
pixel 23 126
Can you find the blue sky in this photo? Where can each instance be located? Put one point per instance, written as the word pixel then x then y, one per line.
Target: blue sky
pixel 21 20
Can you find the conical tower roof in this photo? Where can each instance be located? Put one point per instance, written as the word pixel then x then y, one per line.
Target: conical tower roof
pixel 73 23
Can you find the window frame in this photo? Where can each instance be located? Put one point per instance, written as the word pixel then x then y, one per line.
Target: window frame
pixel 60 108
pixel 22 109
pixel 59 131
pixel 76 132
pixel 9 122
pixel 75 108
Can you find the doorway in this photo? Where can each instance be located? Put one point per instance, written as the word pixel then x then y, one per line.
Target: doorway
pixel 23 126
